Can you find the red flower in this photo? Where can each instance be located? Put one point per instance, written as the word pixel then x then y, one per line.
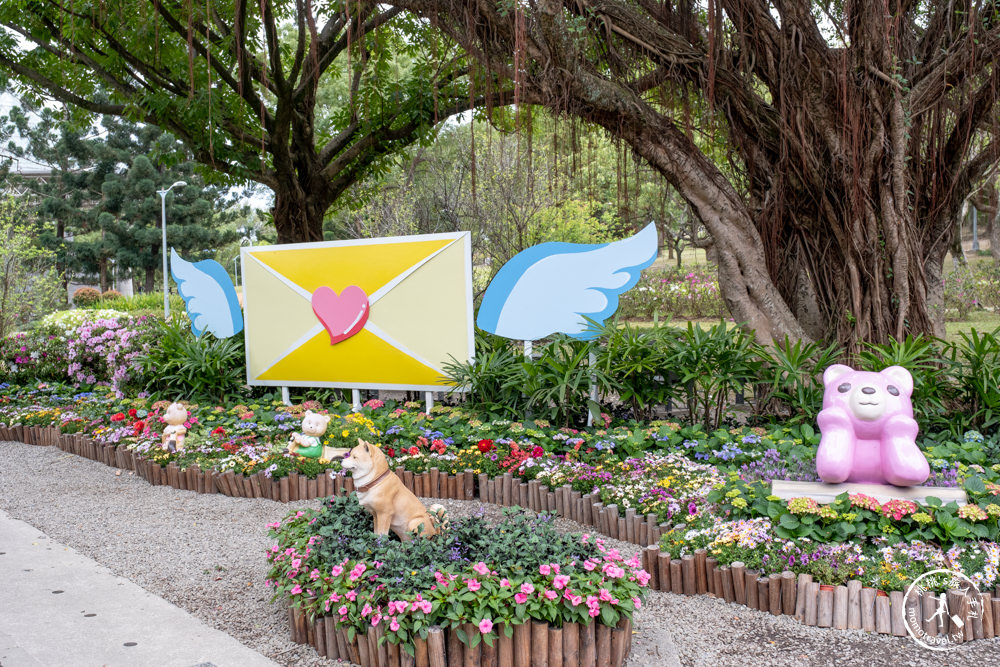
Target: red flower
pixel 414 450
pixel 219 431
pixel 118 417
pixel 132 413
pixel 485 445
pixel 139 427
pixel 390 451
pixel 537 452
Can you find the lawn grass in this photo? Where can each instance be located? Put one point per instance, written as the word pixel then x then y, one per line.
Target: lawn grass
pixel 981 320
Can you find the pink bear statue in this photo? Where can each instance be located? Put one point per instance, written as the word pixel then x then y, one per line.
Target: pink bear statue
pixel 867 427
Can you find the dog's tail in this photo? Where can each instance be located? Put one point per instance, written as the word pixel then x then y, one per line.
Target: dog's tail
pixel 439 517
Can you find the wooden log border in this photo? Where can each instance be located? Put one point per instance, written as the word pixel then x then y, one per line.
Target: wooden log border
pixel 532 643
pixel 851 606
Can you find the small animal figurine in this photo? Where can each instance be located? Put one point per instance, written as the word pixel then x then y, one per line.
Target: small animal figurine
pixel 308 443
pixel 382 493
pixel 173 435
pixel 868 430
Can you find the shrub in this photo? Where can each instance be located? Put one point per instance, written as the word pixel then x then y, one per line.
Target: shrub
pixel 111 294
pixel 198 369
pixel 145 303
pixel 487 380
pixel 633 360
pixel 86 296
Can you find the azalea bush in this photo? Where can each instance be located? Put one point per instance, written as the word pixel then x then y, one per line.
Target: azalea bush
pixel 108 350
pixel 33 356
pixel 328 562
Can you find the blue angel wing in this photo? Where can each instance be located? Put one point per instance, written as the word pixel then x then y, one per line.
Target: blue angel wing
pixel 209 295
pixel 552 287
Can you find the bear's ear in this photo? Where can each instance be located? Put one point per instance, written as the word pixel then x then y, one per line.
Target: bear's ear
pixel 309 413
pixel 901 378
pixel 833 373
pixel 325 418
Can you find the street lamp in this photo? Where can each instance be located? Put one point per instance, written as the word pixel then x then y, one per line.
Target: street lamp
pixel 163 226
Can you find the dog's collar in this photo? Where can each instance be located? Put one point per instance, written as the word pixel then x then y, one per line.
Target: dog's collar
pixel 367 487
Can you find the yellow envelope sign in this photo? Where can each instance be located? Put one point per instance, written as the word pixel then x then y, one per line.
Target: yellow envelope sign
pixel 308 322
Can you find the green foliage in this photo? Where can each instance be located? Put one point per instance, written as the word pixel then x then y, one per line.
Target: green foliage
pixel 633 360
pixel 557 384
pixel 978 378
pixel 148 302
pixel 711 366
pixel 29 284
pixel 790 383
pixel 197 369
pixel 487 380
pixel 931 362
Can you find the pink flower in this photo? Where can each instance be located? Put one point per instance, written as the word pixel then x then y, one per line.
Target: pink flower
pixel 394 625
pixel 589 565
pixel 336 570
pixel 574 599
pixel 376 619
pixel 296 590
pixel 638 603
pixel 485 625
pixel 544 569
pixel 367 609
pixel 505 582
pixel 473 584
pixel 604 595
pixel 343 610
pixel 425 606
pixel 481 569
pixel 643 577
pixel 552 595
pixel 520 598
pixel 560 581
pixel 527 588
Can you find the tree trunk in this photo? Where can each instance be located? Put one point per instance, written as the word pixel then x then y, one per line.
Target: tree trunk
pixel 298 217
pixel 149 284
pixel 102 270
pixel 994 235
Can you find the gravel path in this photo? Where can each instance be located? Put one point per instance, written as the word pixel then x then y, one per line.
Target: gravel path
pixel 204 553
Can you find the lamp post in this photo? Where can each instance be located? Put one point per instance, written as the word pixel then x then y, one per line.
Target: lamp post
pixel 163 227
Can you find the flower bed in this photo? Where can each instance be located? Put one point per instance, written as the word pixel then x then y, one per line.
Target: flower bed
pixel 636 482
pixel 478 581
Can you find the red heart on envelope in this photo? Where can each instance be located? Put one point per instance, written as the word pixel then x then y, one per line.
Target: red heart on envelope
pixel 342 316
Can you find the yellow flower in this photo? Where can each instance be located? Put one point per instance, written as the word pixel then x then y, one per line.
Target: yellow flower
pixel 345 433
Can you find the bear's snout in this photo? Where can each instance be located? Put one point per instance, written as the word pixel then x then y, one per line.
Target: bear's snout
pixel 868 390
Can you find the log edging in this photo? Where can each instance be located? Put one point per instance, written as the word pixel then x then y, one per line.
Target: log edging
pixel 532 643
